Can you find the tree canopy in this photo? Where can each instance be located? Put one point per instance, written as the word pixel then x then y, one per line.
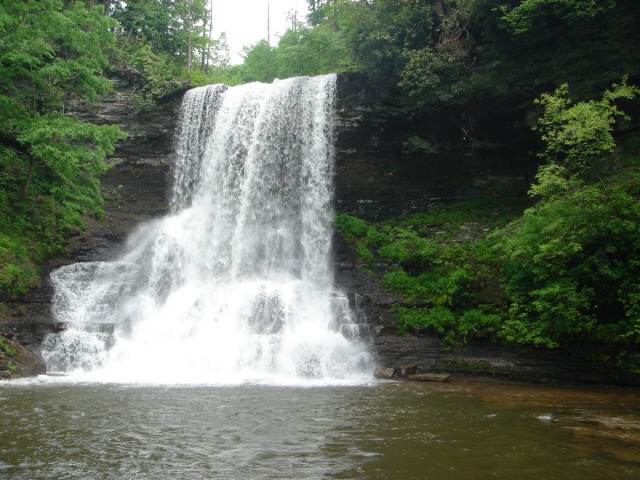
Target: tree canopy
pixel 51 53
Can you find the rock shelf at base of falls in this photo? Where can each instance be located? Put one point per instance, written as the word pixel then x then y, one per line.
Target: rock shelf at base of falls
pixel 430 377
pixel 409 372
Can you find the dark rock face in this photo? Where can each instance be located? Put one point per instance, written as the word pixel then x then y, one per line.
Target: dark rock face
pixel 136 187
pixel 392 162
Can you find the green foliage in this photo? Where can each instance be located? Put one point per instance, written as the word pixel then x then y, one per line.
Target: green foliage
pixel 9 352
pixel 168 44
pixel 156 69
pixel 351 227
pixel 168 26
pixel 571 267
pixel 259 63
pixel 578 135
pixel 364 253
pixel 303 51
pixel 443 321
pixel 7 349
pixel 312 51
pixel 58 51
pixel 400 281
pixel 437 75
pixel 51 52
pixel 380 34
pixel 17 279
pixel 528 13
pixel 438 319
pixel 446 285
pixel 441 259
pixel 440 69
pixel 571 263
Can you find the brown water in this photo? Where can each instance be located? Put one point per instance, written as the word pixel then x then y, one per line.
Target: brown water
pixel 56 430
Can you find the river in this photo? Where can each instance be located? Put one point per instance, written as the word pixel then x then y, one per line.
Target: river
pixel 53 428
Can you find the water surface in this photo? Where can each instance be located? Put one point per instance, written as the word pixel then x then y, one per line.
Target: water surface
pixel 55 429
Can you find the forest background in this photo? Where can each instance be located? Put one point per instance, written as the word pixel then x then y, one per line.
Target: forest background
pixel 560 268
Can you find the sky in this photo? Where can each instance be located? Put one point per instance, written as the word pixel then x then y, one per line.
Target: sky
pixel 245 21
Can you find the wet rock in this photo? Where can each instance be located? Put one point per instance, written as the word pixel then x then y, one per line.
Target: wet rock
pixel 355 331
pixel 393 160
pixel 383 373
pixel 17 361
pixel 404 371
pixel 430 377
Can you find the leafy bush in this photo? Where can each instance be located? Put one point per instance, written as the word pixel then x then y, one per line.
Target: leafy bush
pixel 17 279
pixel 571 266
pixel 438 319
pixel 363 252
pixel 7 349
pixel 454 328
pixel 351 227
pixel 571 262
pixel 433 266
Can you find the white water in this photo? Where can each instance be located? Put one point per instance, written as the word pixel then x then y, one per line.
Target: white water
pixel 236 283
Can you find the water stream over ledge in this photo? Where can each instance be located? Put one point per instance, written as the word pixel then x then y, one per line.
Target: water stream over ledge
pixel 236 284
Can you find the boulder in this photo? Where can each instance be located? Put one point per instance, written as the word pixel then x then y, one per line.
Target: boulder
pixel 382 372
pixel 404 371
pixel 17 361
pixel 430 377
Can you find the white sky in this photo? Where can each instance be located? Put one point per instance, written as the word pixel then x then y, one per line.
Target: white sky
pixel 245 21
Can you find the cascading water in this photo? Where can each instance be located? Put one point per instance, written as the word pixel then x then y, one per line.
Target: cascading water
pixel 236 283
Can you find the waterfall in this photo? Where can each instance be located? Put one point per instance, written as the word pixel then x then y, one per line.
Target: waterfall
pixel 236 283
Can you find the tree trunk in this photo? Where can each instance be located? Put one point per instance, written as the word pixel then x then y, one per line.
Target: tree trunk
pixel 189 64
pixel 27 182
pixel 209 40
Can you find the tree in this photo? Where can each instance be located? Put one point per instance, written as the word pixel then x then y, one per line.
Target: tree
pixel 49 56
pixel 259 63
pixel 312 51
pixel 573 260
pixel 440 70
pixel 172 27
pixel 528 13
pixel 580 135
pixel 382 32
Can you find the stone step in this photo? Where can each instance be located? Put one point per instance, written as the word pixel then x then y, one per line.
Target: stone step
pixel 87 327
pixel 355 331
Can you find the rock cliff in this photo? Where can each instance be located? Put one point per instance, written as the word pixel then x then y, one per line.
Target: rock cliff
pixel 389 162
pixel 135 190
pixel 394 161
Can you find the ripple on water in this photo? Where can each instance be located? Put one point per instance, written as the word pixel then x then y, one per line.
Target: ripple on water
pixel 60 430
